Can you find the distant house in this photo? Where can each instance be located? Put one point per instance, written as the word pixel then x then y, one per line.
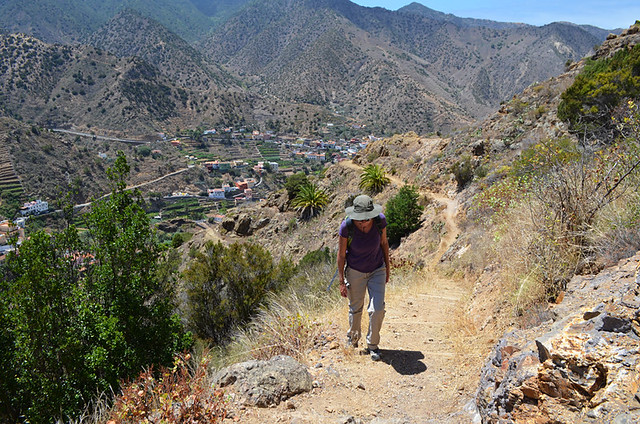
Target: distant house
pixel 211 165
pixel 274 166
pixel 242 185
pixel 318 157
pixel 248 194
pixel 218 218
pixel 34 208
pixel 227 188
pixel 216 193
pixel 251 182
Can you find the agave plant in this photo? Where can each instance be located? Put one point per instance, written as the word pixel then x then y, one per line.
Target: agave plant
pixel 373 179
pixel 310 201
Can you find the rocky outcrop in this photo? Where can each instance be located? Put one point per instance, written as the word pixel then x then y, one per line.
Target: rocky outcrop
pixel 583 366
pixel 266 383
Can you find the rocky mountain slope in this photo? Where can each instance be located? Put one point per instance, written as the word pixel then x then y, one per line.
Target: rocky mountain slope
pixel 71 21
pixel 130 34
pixel 413 69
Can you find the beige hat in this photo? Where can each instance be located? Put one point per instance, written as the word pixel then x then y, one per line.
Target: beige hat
pixel 363 208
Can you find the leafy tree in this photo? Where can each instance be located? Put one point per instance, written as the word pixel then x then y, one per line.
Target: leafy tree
pixel 310 200
pixel 403 214
pixel 226 286
pixel 294 182
pixel 77 317
pixel 373 179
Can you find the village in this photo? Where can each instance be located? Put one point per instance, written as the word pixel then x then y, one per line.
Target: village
pixel 245 155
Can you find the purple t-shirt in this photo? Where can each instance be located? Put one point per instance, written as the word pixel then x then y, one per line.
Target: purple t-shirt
pixel 364 253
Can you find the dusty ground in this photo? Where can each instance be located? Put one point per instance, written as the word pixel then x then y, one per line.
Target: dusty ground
pixel 431 358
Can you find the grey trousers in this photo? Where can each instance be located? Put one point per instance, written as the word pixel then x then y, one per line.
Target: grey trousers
pixel 361 282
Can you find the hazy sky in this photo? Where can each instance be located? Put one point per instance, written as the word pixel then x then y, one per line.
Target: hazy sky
pixel 607 14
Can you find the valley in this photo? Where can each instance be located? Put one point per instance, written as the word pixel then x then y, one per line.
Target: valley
pixel 196 160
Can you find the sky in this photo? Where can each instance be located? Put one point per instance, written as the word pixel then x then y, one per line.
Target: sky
pixel 609 14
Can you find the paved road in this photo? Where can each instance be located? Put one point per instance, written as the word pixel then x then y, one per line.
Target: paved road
pixel 101 137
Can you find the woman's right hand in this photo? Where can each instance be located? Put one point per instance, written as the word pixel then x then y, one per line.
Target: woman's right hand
pixel 343 289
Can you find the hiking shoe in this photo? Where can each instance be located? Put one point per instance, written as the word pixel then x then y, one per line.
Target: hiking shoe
pixel 375 354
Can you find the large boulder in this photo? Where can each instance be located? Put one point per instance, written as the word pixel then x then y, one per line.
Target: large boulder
pixel 266 383
pixel 243 225
pixel 582 366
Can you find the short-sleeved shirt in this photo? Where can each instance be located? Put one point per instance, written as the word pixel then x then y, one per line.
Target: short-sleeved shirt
pixel 364 253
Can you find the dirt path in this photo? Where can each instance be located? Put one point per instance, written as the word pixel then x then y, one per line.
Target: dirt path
pixel 425 376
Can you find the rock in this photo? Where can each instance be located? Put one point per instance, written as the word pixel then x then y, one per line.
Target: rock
pixel 263 222
pixel 229 223
pixel 243 225
pixel 478 148
pixel 266 383
pixel 585 364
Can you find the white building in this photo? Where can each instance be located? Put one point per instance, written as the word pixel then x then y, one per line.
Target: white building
pixel 35 207
pixel 216 193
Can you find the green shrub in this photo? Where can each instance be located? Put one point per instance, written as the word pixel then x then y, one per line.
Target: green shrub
pixel 600 88
pixel 227 285
pixel 179 239
pixel 463 171
pixel 403 214
pixel 144 150
pixel 373 179
pixel 76 317
pixel 294 183
pixel 315 257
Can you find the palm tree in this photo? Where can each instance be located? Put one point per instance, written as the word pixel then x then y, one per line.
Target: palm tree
pixel 310 201
pixel 373 179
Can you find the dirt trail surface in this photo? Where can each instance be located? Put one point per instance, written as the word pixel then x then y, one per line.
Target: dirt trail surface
pixel 425 376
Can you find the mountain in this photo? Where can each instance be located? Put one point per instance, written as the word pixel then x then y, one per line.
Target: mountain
pixel 71 21
pixel 414 69
pixel 419 71
pixel 83 86
pixel 130 34
pixel 422 10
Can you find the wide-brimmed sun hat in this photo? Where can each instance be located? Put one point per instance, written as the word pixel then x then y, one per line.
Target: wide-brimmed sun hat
pixel 363 208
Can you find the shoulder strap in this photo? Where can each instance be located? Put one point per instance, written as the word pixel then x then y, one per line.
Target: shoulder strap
pixel 378 222
pixel 350 224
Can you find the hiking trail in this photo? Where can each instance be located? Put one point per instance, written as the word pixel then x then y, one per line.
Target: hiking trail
pixel 425 376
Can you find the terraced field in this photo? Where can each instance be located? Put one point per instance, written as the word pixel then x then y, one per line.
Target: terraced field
pixel 246 150
pixel 9 180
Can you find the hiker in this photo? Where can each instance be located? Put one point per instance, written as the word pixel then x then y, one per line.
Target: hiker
pixel 363 246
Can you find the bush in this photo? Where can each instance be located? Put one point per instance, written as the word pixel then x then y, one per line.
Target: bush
pixel 463 172
pixel 373 179
pixel 597 92
pixel 182 394
pixel 226 286
pixel 144 150
pixel 315 257
pixel 403 214
pixel 76 317
pixel 294 183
